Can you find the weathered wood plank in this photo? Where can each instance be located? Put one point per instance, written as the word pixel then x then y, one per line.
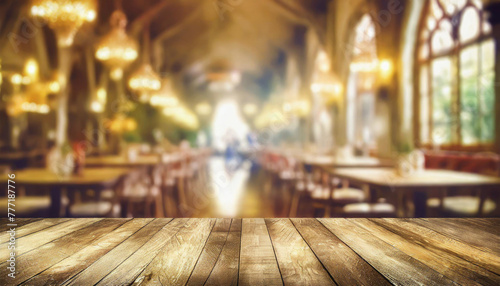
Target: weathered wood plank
pixel 343 264
pixel 35 240
pixel 236 225
pixel 175 262
pixel 429 237
pixel 395 265
pixel 19 222
pixel 102 267
pixel 455 268
pixel 128 271
pixel 297 263
pixel 83 258
pixel 225 271
pixel 32 227
pixel 486 224
pixel 258 265
pixel 473 235
pixel 210 252
pixel 31 264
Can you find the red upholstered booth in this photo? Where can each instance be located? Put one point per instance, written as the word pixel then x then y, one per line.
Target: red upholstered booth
pixel 480 163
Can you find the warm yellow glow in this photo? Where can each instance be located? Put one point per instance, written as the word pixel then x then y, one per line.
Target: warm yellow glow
pixel 26 80
pixel 65 17
pixel 203 108
pixel 35 108
pixel 96 107
pixel 98 104
pixel 163 101
pixel 31 69
pixel 364 66
pixel 327 83
pixel 116 74
pixel 250 109
pixel 182 116
pixel 386 69
pixel 298 107
pixel 121 124
pixel 102 94
pixel 54 87
pixel 116 49
pixel 144 81
pixel 165 97
pixel 15 105
pixel 16 79
pixel 323 62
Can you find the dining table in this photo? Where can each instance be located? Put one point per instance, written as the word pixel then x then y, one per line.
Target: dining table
pixel 122 161
pixel 419 184
pixel 252 251
pixel 44 179
pixel 330 161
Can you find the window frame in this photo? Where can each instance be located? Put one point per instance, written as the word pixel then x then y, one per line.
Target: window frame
pixel 454 54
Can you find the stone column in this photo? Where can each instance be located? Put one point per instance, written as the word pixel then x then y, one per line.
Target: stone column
pixel 494 10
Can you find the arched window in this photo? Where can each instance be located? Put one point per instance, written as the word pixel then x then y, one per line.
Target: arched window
pixel 361 85
pixel 455 74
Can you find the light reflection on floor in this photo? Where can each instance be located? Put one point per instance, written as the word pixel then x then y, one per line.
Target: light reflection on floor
pixel 233 192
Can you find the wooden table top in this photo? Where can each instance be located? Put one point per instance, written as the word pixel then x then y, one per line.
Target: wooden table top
pixel 122 161
pixel 388 177
pixel 90 176
pixel 354 162
pixel 254 251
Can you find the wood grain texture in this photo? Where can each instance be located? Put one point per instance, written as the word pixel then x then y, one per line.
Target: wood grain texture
pixel 128 271
pixel 438 241
pixel 98 270
pixel 343 264
pixel 298 264
pixel 453 267
pixel 256 252
pixel 19 223
pixel 59 249
pixel 35 240
pixel 258 265
pixel 473 235
pixel 29 228
pixel 86 256
pixel 175 262
pixel 395 265
pixel 226 269
pixel 211 252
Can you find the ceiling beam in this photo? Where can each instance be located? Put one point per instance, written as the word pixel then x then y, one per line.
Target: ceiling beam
pixel 179 27
pixel 147 17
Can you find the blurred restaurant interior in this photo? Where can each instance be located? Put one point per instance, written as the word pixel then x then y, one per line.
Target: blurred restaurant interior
pixel 250 108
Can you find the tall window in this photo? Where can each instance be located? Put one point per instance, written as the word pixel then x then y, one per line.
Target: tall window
pixel 456 74
pixel 361 85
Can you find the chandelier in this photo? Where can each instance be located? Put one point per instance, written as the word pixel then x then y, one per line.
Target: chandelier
pixel 328 85
pixel 165 97
pixel 117 50
pixel 120 124
pixel 144 81
pixel 65 17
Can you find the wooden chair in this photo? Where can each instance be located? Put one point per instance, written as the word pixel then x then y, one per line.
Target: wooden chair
pixel 142 195
pixel 477 204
